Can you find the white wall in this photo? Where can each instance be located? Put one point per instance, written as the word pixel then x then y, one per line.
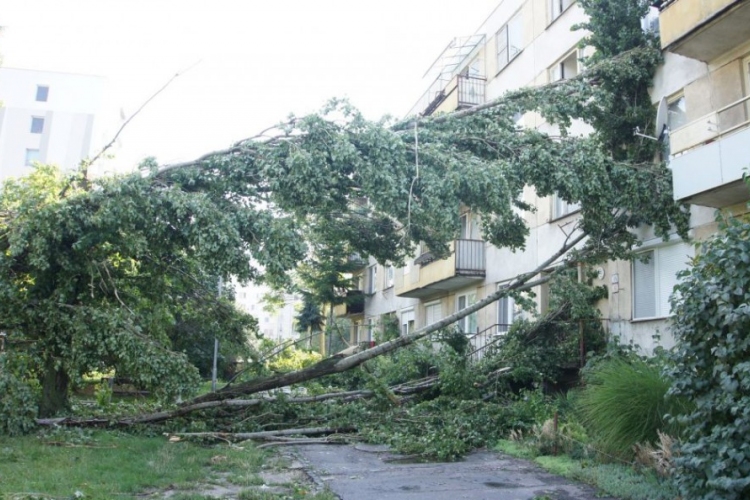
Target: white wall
pixel 69 113
pixel 276 325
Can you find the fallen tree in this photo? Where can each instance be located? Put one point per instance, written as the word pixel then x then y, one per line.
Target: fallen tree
pixel 94 272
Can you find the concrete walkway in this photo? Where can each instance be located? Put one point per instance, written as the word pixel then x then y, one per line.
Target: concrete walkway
pixel 363 472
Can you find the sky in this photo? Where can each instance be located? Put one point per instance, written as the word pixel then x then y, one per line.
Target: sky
pixel 244 65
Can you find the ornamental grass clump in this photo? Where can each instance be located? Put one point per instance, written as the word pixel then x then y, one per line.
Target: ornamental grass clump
pixel 624 403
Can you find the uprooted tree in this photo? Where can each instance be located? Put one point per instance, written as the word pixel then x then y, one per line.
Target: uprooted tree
pixel 93 273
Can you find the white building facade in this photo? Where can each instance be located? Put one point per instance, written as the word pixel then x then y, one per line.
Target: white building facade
pixel 704 85
pixel 274 323
pixel 46 117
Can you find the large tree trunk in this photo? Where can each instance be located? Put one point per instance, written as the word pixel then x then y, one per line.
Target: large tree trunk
pixel 55 382
pixel 338 363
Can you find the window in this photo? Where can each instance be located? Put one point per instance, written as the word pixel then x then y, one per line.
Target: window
pixel 564 69
pixel 37 125
pixel 368 334
pixel 557 7
pixel 509 41
pixel 372 279
pixel 654 280
pixel 676 112
pixel 42 93
pixel 467 324
pixel 469 227
pixel 356 333
pixel 388 277
pixel 433 312
pixel 561 208
pixel 475 69
pixel 650 22
pixel 32 155
pixel 407 321
pixel 505 313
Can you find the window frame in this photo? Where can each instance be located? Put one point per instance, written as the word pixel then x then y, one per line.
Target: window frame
pixel 389 275
pixel 506 304
pixel 372 279
pixel 505 49
pixel 39 122
pixel 42 93
pixel 659 278
pixel 560 64
pixel 671 100
pixel 368 325
pixel 408 319
pixel 465 323
pixel 428 306
pixel 562 9
pixel 28 161
pixel 562 208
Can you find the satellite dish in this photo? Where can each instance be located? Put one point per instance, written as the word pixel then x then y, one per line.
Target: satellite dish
pixel 662 115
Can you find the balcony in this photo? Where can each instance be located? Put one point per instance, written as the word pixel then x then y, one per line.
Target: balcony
pixel 710 156
pixel 464 265
pixel 356 261
pixel 703 29
pixel 355 304
pixel 444 96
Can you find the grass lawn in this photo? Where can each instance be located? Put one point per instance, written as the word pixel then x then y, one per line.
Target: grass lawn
pixel 110 465
pixel 618 480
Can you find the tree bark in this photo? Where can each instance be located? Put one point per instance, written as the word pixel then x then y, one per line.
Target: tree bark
pixel 54 381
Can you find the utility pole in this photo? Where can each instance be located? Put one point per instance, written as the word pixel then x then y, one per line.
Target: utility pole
pixel 216 348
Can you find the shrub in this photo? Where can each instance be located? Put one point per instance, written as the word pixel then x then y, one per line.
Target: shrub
pixel 17 404
pixel 712 367
pixel 624 403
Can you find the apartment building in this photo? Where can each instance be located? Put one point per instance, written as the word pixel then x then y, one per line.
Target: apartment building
pixel 521 43
pixel 701 93
pixel 705 86
pixel 275 322
pixel 46 117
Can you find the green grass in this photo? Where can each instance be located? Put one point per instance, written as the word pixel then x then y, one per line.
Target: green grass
pixel 618 480
pixel 105 465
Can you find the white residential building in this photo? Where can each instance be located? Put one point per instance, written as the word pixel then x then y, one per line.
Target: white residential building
pixel 47 117
pixel 703 86
pixel 274 323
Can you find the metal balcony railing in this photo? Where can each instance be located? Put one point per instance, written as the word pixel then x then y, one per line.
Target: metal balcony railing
pixel 470 91
pixel 480 342
pixel 469 256
pixel 712 126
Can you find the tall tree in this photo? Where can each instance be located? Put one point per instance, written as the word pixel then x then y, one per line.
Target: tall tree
pixel 92 272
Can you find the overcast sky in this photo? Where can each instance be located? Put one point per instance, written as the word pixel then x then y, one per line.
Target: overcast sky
pixel 252 62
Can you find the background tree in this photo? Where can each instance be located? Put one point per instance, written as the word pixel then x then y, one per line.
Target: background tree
pixel 309 320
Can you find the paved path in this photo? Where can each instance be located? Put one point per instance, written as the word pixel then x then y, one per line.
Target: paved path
pixel 362 472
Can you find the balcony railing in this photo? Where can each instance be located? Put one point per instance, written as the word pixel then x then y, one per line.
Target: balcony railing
pixel 469 256
pixel 464 265
pixel 355 304
pixel 710 156
pixel 715 125
pixel 446 95
pixel 470 91
pixel 481 342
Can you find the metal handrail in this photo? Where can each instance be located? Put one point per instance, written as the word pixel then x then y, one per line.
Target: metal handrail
pixel 719 133
pixel 478 350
